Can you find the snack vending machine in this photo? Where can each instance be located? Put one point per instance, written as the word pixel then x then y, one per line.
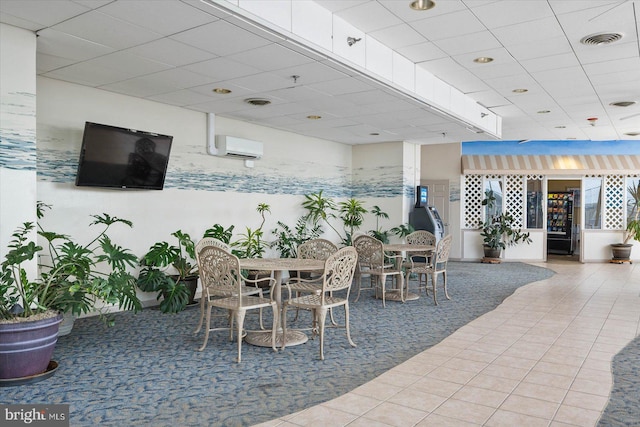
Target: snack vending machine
pixel 560 222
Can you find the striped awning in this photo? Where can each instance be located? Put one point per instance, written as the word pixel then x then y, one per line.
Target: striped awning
pixel 552 164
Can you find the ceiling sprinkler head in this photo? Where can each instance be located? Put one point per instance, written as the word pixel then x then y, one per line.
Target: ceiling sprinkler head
pixel 592 120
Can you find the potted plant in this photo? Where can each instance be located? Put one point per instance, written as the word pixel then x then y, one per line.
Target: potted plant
pixel 251 244
pixel 176 288
pixel 78 279
pixel 351 212
pixel 622 251
pixel 289 239
pixel 499 230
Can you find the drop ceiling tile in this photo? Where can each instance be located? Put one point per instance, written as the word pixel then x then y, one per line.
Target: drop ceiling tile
pixel 340 86
pixel 44 13
pixel 422 52
pixel 216 36
pixel 142 87
pixel 88 74
pixel 45 63
pixel 611 52
pixel 310 73
pixel 172 52
pixel 261 82
pixel 506 13
pixel 107 30
pixel 552 62
pixel 540 49
pixel 181 97
pixel 473 42
pixel 179 78
pixel 271 57
pixel 369 16
pixel 131 64
pixel 218 69
pixel 56 43
pixel 398 36
pixel 164 17
pixel 446 26
pixel 528 32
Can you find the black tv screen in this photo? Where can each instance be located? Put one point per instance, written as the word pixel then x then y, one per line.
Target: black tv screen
pixel 122 158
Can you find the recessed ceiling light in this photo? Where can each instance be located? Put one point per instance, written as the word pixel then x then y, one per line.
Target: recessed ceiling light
pixel 483 60
pixel 374 134
pixel 422 4
pixel 560 127
pixel 314 117
pixel 520 90
pixel 623 103
pixel 632 133
pixel 221 90
pixel 257 101
pixel 544 111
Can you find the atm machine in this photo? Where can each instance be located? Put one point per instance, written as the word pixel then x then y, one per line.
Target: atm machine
pixel 425 217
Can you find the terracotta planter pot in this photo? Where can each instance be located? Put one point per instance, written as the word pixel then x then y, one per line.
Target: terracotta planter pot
pixel 26 347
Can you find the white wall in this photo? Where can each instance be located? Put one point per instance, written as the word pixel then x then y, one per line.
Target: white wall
pixel 17 134
pixel 200 189
pixel 442 162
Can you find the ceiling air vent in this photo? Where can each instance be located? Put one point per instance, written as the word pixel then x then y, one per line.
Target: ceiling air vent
pixel 257 101
pixel 603 38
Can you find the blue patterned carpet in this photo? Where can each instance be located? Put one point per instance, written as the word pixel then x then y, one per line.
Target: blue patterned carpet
pixel 147 370
pixel 623 409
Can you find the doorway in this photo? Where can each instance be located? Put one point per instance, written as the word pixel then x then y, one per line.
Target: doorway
pixel 563 219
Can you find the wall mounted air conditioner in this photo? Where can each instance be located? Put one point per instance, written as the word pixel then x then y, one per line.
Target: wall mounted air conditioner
pixel 234 147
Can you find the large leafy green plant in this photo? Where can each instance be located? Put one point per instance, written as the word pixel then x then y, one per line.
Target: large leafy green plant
pixel 499 229
pixel 633 226
pixel 166 267
pixel 77 278
pixel 288 239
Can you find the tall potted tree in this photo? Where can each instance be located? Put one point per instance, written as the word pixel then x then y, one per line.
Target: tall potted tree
pixel 622 251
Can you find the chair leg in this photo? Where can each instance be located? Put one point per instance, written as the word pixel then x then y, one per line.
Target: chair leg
pixel 346 324
pixel 383 287
pixel 240 314
pixel 206 332
pixel 358 280
pixel 202 309
pixel 322 315
pixel 274 328
pixel 403 296
pixel 434 281
pixel 261 295
pixel 444 277
pixel 284 324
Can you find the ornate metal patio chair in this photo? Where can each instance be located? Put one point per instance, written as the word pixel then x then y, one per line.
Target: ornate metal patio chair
pixel 437 265
pixel 338 274
pixel 247 290
pixel 221 275
pixel 375 263
pixel 320 249
pixel 417 259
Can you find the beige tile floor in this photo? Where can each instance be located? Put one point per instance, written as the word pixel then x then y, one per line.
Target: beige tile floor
pixel 542 358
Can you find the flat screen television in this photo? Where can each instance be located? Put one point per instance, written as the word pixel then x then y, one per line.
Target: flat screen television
pixel 116 157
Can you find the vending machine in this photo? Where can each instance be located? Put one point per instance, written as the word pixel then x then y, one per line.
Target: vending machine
pixel 560 236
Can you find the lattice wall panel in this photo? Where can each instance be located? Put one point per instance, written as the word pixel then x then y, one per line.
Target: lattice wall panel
pixel 514 198
pixel 472 201
pixel 614 192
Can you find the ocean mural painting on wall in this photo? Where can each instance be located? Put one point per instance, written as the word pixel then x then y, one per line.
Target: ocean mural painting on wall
pixel 191 168
pixel 17 131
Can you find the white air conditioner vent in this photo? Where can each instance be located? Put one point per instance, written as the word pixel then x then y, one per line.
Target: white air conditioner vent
pixel 239 148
